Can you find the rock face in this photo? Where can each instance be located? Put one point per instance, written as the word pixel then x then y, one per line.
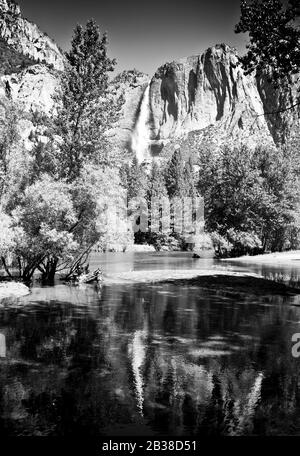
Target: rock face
pixel 26 38
pixel 209 93
pixel 33 88
pixel 131 84
pixel 9 6
pixel 197 101
pixel 199 91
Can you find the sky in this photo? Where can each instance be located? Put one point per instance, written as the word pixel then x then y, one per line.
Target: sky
pixel 143 34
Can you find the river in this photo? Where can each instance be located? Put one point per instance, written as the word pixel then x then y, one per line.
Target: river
pixel 150 359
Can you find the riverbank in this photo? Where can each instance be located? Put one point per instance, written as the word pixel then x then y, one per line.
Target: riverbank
pixel 217 278
pixel 13 289
pixel 269 258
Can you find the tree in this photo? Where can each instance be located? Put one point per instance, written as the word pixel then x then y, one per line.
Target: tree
pixel 189 179
pixel 179 176
pixel 156 184
pixel 174 175
pixel 251 197
pixel 135 179
pixel 7 238
pixel 274 46
pixel 55 197
pixel 87 110
pixel 43 222
pixel 10 144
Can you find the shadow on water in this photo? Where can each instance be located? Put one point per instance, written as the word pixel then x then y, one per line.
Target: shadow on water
pixel 178 359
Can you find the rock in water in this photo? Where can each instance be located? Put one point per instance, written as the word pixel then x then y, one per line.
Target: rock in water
pixel 13 289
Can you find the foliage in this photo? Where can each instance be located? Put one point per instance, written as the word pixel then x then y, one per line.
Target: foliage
pixel 101 200
pixel 128 76
pixel 134 179
pixel 6 235
pixel 156 183
pixel 221 244
pixel 12 61
pixel 14 160
pixel 179 176
pixel 251 197
pixel 274 36
pixel 55 197
pixel 44 220
pixel 87 110
pixel 202 241
pixel 161 241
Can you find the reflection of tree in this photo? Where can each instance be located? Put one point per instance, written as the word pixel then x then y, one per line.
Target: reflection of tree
pixel 142 356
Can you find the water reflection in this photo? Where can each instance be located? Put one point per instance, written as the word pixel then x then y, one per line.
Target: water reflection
pixel 2 346
pixel 149 359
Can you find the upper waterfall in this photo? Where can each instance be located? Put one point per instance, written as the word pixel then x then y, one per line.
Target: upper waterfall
pixel 141 133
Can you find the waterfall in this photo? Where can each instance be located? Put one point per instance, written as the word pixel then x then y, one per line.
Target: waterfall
pixel 141 134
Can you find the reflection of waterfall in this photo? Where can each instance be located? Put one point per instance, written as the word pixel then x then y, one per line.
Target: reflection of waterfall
pixel 2 346
pixel 254 395
pixel 138 354
pixel 247 409
pixel 141 133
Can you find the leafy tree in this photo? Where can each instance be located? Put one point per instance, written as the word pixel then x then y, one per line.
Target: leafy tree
pixel 42 223
pixel 56 196
pixel 9 138
pixel 7 237
pixel 15 160
pixel 251 197
pixel 45 160
pixel 274 36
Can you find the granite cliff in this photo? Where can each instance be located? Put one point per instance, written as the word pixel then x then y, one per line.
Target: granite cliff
pixel 26 38
pixel 209 97
pixel 200 100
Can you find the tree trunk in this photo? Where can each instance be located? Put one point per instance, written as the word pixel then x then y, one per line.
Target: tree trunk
pixel 48 275
pixel 5 267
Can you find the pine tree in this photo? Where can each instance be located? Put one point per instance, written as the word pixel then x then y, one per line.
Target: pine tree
pixel 137 180
pixel 174 175
pixel 180 177
pixel 156 186
pixel 189 180
pixel 86 110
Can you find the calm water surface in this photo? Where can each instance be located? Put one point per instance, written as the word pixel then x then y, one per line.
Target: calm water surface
pixel 150 359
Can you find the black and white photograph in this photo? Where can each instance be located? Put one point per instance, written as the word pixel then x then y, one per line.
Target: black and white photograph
pixel 149 223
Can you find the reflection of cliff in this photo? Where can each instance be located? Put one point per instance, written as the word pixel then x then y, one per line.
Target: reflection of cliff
pixel 162 358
